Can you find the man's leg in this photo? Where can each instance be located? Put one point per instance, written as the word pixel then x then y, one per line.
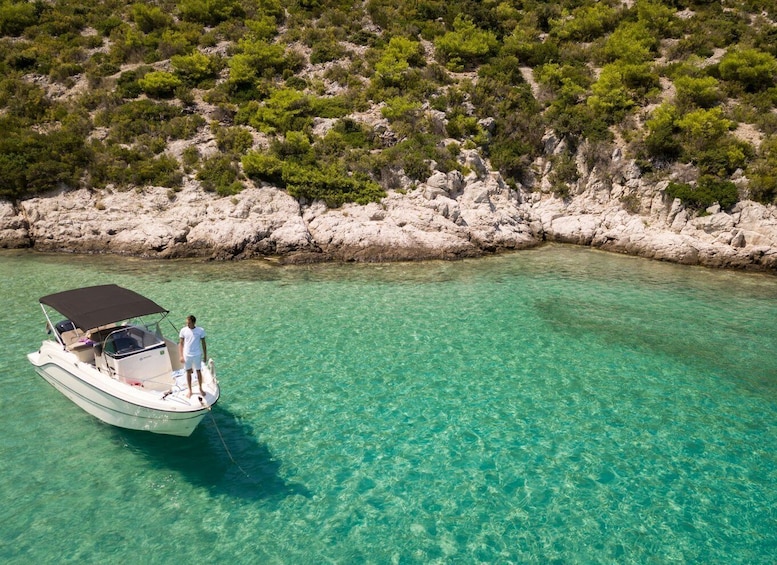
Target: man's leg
pixel 189 382
pixel 199 380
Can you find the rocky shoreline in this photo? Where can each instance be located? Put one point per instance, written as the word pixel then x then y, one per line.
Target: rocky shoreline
pixel 447 217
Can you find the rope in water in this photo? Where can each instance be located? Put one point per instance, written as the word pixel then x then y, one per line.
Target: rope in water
pixel 224 443
pixel 212 369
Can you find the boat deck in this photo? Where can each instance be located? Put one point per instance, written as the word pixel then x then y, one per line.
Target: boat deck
pixel 89 347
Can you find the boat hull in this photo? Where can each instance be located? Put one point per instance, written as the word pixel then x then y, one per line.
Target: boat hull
pixel 118 404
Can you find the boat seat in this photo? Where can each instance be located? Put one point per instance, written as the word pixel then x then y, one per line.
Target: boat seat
pixel 83 350
pixel 70 337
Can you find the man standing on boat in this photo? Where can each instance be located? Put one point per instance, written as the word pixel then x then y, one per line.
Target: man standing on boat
pixel 192 349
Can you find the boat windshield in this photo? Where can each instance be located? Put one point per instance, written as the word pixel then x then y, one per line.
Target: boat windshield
pixel 130 340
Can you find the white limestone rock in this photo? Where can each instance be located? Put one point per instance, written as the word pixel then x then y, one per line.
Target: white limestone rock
pixel 448 216
pixel 14 231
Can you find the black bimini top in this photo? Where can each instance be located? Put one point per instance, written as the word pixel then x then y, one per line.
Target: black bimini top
pixel 96 306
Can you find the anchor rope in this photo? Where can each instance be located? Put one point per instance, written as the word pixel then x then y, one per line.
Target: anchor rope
pixel 224 443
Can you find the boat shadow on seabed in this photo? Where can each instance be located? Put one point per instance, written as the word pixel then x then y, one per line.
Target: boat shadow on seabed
pixel 222 455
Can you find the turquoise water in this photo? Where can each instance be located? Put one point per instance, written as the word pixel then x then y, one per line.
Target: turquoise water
pixel 558 405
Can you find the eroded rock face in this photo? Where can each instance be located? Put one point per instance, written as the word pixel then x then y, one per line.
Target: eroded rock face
pixel 447 217
pixel 14 232
pixel 156 223
pixel 662 229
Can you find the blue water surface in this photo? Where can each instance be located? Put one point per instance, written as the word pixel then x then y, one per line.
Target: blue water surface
pixel 558 405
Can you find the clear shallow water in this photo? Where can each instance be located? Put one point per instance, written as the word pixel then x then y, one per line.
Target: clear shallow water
pixel 555 405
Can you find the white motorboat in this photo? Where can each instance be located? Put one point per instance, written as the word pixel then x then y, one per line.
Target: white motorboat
pixel 109 356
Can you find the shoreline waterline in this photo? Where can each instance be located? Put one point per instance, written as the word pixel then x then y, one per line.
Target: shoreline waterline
pixel 305 258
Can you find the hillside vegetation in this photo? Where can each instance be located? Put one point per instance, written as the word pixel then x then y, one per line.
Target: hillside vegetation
pixel 343 100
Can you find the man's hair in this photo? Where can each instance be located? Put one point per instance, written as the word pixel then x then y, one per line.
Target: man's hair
pixel 192 318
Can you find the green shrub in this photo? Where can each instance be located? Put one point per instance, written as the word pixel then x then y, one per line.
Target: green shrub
pixel 610 97
pixel 354 133
pixel 242 71
pixel 631 43
pixel 209 12
pixel 465 46
pixel 294 147
pixel 415 166
pixel 269 58
pixel 569 82
pixel 518 125
pixel 723 158
pixel 159 84
pixel 568 113
pixel 59 20
pixel 150 18
pixel 397 59
pixel 162 170
pixel 563 174
pixel 663 138
pixel 137 117
pixel 700 137
pixel 194 68
pixel 763 173
pixel 529 48
pixel 107 25
pixel 331 106
pixel 263 167
pixel 343 140
pixel 125 166
pixel 181 40
pixel 585 23
pixel 221 175
pixel 127 85
pixel 23 100
pixel 235 140
pixel 620 87
pixel 190 157
pixel 460 126
pixel 99 66
pixel 414 154
pixel 716 27
pixel 754 70
pixel 285 110
pixel 182 126
pixel 329 183
pixel 32 162
pixel 15 17
pixel 701 128
pixel 401 108
pixel 130 45
pixel 708 191
pixel 659 18
pixel 631 203
pixel 504 68
pixel 25 59
pixel 264 26
pixel 339 74
pixel 326 51
pixel 701 92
